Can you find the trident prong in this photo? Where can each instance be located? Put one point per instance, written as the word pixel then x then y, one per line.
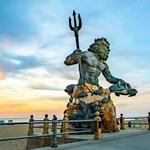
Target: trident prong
pixel 76 27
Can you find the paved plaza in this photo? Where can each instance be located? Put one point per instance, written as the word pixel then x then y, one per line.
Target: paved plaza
pixel 124 140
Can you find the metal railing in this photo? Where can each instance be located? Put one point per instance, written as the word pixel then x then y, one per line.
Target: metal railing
pixel 66 130
pixel 133 122
pixel 54 125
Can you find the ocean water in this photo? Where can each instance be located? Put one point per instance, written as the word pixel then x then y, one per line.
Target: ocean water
pixel 10 120
pixel 14 120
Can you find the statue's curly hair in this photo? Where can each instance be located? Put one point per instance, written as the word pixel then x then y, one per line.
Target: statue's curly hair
pixel 97 42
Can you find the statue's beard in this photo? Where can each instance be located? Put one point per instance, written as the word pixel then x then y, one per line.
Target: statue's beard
pixel 103 56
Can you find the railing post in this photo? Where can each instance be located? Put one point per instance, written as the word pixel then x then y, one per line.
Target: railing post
pixel 97 133
pixel 54 134
pixel 31 125
pixel 149 121
pixel 46 125
pixel 65 126
pixel 122 127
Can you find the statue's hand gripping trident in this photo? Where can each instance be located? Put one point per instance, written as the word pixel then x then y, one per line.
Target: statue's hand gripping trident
pixel 76 28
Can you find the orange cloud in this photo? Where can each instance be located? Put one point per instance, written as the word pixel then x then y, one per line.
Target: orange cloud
pixel 1 74
pixel 37 107
pixel 133 106
pixel 41 105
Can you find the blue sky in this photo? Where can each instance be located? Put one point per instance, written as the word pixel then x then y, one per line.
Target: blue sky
pixel 35 39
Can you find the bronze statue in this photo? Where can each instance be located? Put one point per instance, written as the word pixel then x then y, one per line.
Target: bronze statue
pixel 91 64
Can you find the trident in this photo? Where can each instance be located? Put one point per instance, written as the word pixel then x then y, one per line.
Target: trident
pixel 76 29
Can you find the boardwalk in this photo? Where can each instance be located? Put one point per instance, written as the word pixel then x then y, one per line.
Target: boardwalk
pixel 124 140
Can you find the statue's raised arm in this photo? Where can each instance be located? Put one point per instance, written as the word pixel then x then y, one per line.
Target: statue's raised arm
pixel 73 58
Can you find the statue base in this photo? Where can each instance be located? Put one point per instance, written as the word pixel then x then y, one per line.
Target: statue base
pixel 85 100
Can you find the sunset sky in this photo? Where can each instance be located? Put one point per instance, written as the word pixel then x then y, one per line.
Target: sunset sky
pixel 35 39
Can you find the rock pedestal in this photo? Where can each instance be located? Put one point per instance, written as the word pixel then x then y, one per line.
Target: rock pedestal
pixel 86 100
pixel 109 123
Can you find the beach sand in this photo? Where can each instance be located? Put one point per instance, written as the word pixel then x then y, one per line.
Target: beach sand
pixel 13 131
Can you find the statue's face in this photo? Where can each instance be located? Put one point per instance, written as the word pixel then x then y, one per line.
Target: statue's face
pixel 103 52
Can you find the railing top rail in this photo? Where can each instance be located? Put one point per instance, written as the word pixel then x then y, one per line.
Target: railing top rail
pixel 88 120
pixel 133 117
pixel 18 123
pixel 49 121
pixel 60 121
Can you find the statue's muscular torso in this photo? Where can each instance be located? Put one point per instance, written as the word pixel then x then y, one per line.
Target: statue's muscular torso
pixel 91 67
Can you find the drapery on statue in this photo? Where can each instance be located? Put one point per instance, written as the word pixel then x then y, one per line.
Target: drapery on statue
pixel 88 96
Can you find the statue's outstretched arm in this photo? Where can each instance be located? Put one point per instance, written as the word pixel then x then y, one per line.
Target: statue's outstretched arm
pixel 119 86
pixel 73 58
pixel 107 74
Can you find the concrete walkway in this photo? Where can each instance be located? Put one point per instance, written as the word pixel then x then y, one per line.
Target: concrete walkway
pixel 124 140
